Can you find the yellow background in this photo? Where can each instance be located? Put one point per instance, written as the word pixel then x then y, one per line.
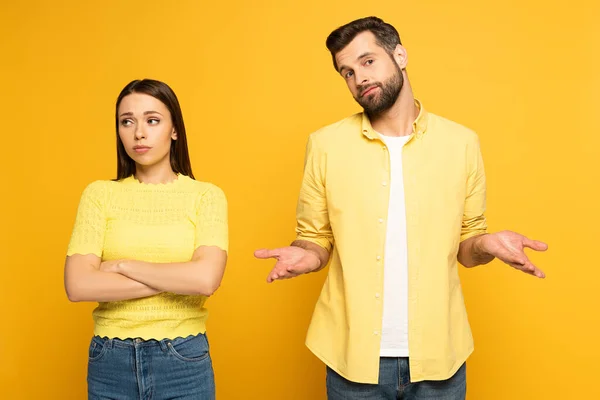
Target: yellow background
pixel 254 79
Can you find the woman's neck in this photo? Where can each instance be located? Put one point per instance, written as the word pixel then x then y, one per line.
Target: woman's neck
pixel 155 174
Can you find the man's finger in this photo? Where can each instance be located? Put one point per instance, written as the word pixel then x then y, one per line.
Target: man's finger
pixel 516 258
pixel 533 270
pixel 272 277
pixel 521 267
pixel 277 273
pixel 530 269
pixel 539 273
pixel 511 256
pixel 535 244
pixel 266 253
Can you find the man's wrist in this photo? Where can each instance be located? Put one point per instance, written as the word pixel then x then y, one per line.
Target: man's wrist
pixel 479 245
pixel 316 254
pixel 480 253
pixel 309 246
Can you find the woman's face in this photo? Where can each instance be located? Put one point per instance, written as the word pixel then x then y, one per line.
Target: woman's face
pixel 146 129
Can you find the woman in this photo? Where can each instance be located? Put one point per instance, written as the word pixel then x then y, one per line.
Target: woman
pixel 150 247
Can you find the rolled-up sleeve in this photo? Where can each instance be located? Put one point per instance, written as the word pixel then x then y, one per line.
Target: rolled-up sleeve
pixel 474 222
pixel 312 216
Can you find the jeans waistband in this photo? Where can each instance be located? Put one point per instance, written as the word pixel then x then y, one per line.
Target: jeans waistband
pixel 138 342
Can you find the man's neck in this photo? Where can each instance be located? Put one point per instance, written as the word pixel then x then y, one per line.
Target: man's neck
pixel 399 119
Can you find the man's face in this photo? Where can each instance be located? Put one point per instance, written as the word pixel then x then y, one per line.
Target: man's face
pixel 372 75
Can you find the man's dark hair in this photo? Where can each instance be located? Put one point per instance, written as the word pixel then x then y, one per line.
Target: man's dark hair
pixel 386 35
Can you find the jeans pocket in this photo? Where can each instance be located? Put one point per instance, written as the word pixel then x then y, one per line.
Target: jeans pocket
pixel 191 349
pixel 97 349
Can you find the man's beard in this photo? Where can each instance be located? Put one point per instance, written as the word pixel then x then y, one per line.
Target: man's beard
pixel 374 104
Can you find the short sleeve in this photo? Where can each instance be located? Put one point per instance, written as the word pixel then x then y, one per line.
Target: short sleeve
pixel 90 223
pixel 211 219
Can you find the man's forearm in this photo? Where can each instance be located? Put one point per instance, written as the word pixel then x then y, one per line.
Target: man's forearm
pixel 321 253
pixel 470 253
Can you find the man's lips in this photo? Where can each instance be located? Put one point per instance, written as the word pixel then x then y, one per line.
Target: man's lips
pixel 368 90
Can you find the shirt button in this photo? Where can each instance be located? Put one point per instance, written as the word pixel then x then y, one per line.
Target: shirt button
pixel 378 258
pixel 377 295
pixel 375 333
pixel 380 220
pixel 384 183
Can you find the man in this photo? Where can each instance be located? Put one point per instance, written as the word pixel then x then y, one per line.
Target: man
pixel 392 198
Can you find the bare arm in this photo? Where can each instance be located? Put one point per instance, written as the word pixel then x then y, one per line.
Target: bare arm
pixel 200 276
pixel 84 281
pixel 507 246
pixel 319 251
pixel 470 253
pixel 314 237
pixel 478 247
pixel 302 257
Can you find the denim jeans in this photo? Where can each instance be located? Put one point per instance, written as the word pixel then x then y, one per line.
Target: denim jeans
pixel 135 369
pixel 394 383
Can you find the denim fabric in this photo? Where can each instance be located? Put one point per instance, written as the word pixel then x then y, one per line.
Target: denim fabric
pixel 394 383
pixel 135 369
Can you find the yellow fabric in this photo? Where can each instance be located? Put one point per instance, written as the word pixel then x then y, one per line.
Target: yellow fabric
pixel 343 205
pixel 154 223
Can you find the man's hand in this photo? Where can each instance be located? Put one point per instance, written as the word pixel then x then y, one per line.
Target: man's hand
pixel 509 247
pixel 291 262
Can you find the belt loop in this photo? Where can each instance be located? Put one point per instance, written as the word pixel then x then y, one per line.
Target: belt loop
pixel 109 344
pixel 164 344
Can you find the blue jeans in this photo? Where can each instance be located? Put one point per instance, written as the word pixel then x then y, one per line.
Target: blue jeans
pixel 135 369
pixel 394 383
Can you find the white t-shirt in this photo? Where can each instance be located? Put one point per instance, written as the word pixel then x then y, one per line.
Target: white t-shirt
pixel 394 333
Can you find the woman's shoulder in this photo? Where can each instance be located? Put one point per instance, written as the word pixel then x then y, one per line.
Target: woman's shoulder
pixel 99 186
pixel 205 191
pixel 201 186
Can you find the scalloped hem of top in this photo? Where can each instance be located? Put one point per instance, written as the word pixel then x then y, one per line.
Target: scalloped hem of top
pixel 191 335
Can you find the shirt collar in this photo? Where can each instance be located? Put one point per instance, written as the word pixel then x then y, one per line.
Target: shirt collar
pixel 419 124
